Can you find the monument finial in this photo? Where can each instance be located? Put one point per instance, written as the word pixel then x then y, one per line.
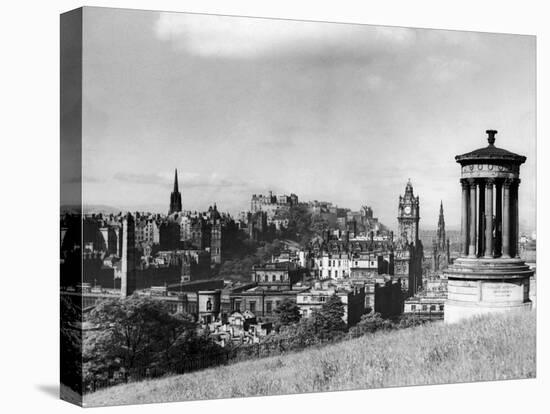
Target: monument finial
pixel 491 136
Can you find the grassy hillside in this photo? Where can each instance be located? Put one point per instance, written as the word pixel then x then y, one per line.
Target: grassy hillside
pixel 490 348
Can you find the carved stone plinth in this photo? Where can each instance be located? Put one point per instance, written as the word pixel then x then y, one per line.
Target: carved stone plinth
pixel 481 286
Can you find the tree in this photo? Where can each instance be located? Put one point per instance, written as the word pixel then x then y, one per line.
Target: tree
pixel 299 224
pixel 71 342
pixel 288 312
pixel 328 322
pixel 239 268
pixel 134 334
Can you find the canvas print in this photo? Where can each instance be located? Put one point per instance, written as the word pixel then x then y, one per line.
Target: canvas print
pixel 255 207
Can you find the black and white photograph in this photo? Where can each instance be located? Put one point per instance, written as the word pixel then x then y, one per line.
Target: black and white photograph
pixel 267 206
pixel 291 206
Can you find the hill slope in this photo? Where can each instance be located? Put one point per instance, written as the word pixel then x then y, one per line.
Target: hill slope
pixel 489 348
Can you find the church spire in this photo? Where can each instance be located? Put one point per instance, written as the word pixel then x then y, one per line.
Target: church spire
pixel 176 190
pixel 175 197
pixel 441 228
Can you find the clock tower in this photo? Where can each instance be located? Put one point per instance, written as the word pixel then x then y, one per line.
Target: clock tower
pixel 408 216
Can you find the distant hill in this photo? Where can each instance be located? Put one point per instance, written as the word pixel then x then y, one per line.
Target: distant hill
pixel 482 349
pixel 89 209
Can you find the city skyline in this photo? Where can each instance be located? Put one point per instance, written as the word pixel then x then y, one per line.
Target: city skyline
pixel 340 113
pixel 348 201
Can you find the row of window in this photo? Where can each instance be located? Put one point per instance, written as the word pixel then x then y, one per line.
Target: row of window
pixel 332 263
pixel 320 298
pixel 273 278
pixel 252 306
pixel 433 308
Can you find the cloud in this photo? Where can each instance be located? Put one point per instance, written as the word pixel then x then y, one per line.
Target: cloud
pixel 240 37
pixel 446 69
pixel 277 144
pixel 142 178
pixel 185 179
pixel 83 179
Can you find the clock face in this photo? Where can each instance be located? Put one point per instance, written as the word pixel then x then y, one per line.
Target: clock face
pixel 408 210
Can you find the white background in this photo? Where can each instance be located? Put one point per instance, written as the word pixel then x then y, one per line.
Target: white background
pixel 30 203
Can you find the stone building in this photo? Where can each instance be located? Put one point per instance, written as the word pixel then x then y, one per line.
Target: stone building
pixel 271 202
pixel 261 300
pixel 430 302
pixel 275 207
pixel 340 258
pixel 209 305
pixel 147 232
pixel 271 284
pixel 215 235
pixel 425 307
pixel 409 252
pixel 169 233
pixel 110 235
pixel 276 276
pixel 352 298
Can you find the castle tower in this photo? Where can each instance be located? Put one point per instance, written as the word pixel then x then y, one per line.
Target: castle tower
pixel 489 276
pixel 128 260
pixel 408 216
pixel 175 197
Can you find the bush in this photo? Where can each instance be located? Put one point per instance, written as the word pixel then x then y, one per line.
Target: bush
pixel 371 323
pixel 287 313
pixel 409 321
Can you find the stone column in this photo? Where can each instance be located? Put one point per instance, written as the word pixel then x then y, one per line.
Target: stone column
pixel 515 212
pixel 489 182
pixel 465 200
pixel 480 217
pixel 506 218
pixel 472 219
pixel 498 219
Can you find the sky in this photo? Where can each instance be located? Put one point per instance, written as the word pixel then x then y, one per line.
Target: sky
pixel 337 112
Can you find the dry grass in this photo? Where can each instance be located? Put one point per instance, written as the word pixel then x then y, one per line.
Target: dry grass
pixel 490 348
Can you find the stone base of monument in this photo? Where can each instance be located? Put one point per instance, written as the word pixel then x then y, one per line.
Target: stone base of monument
pixel 478 286
pixel 456 311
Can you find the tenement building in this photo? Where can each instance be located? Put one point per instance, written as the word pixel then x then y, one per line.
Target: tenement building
pixel 489 276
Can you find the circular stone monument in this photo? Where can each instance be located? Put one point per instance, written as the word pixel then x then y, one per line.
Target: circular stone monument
pixel 489 276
